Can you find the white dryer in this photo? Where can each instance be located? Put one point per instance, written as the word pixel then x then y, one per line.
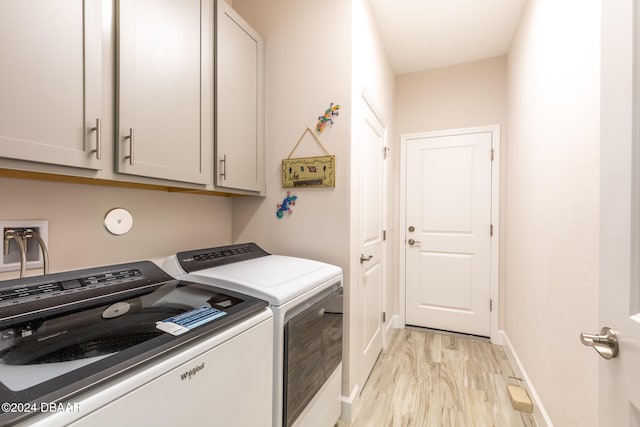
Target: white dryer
pixel 306 299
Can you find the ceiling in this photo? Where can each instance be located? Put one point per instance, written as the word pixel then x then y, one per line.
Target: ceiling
pixel 423 34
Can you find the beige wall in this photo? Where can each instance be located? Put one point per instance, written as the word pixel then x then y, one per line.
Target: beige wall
pixel 308 66
pixel 459 96
pixel 164 223
pixel 465 95
pixel 317 53
pixel 552 204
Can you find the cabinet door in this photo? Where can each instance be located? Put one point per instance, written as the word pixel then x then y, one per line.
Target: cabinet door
pixel 50 81
pixel 240 110
pixel 164 89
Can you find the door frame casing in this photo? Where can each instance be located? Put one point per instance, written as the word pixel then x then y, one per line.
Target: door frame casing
pixel 495 336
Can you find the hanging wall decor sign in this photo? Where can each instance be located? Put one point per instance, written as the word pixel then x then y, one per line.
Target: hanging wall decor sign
pixel 309 171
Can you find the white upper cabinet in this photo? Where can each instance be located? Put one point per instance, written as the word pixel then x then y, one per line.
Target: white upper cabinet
pixel 188 92
pixel 240 104
pixel 50 81
pixel 164 89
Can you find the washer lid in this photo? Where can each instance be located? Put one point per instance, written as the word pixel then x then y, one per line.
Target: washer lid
pixel 275 278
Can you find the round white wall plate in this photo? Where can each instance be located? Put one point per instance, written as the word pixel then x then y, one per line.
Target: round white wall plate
pixel 118 221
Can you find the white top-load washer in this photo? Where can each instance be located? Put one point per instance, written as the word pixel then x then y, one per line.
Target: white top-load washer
pixel 306 299
pixel 128 344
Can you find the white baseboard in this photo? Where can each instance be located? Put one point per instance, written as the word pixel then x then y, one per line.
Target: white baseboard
pixel 349 404
pixel 497 337
pixel 389 328
pixel 539 413
pixel 396 322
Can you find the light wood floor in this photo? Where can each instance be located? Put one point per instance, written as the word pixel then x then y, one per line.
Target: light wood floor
pixel 427 378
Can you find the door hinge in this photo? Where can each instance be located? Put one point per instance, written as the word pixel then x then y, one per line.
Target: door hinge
pixel 384 317
pixel 492 154
pixel 491 230
pixel 386 150
pixel 490 305
pixel 384 234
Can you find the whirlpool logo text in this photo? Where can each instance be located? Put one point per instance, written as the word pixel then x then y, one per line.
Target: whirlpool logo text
pixel 192 372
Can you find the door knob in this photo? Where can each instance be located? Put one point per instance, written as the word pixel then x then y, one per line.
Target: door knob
pixel 413 242
pixel 606 344
pixel 364 258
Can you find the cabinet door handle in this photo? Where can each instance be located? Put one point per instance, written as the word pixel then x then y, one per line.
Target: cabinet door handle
pixel 223 166
pixel 98 130
pixel 131 140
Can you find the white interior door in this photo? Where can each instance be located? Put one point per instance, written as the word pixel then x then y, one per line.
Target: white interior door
pixel 619 386
pixel 371 238
pixel 448 232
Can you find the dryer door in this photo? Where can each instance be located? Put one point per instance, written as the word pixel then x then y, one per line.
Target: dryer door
pixel 313 350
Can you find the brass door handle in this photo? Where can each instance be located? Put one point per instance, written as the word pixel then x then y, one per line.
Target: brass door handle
pixel 364 258
pixel 606 344
pixel 413 242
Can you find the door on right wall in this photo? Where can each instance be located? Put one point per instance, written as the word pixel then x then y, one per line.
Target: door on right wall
pixel 619 233
pixel 448 231
pixel 371 237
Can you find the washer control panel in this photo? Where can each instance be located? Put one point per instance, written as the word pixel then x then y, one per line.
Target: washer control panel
pixel 27 296
pixel 32 292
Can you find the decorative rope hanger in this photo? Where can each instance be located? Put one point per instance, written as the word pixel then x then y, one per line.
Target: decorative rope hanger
pixel 309 130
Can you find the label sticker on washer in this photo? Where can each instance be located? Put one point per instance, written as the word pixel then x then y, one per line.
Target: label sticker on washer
pixel 181 323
